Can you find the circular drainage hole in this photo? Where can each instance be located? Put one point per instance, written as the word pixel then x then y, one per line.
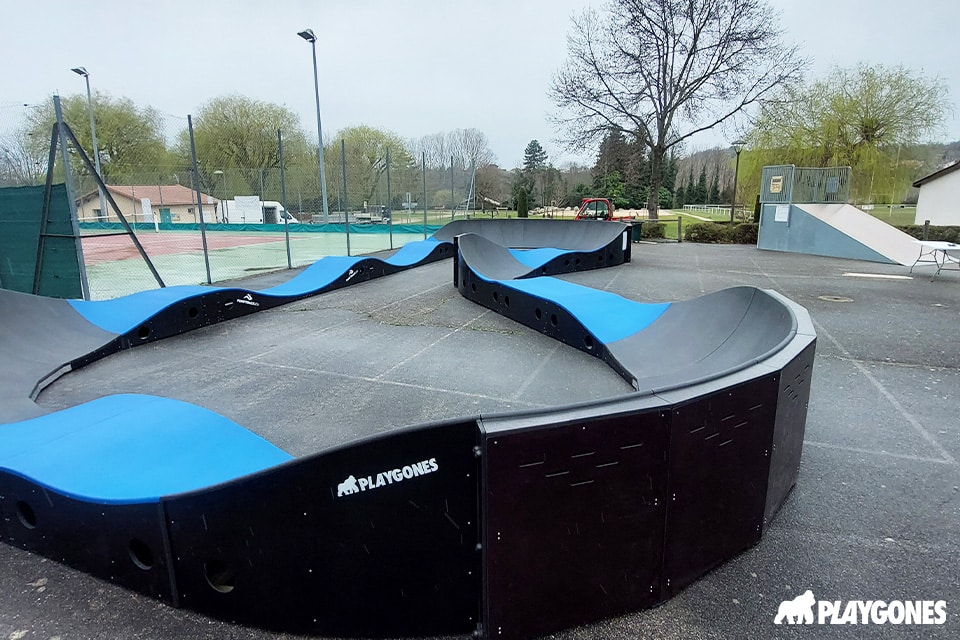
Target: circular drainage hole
pixel 218 576
pixel 26 515
pixel 140 554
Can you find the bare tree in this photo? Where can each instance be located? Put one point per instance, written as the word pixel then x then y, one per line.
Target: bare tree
pixel 662 71
pixel 22 161
pixel 469 147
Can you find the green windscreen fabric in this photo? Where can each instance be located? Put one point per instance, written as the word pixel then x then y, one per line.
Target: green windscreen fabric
pixel 21 213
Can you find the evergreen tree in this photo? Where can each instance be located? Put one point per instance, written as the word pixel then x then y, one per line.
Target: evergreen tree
pixel 700 192
pixel 534 158
pixel 713 196
pixel 670 169
pixel 522 204
pixel 614 155
pixel 679 198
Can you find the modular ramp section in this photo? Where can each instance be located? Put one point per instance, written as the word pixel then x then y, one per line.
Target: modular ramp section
pixel 836 231
pixel 452 527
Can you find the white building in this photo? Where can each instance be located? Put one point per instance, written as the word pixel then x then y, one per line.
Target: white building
pixel 939 200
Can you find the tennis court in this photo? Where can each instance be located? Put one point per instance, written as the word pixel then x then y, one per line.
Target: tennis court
pixel 115 268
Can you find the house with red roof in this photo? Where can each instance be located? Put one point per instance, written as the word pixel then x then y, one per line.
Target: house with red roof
pixel 140 203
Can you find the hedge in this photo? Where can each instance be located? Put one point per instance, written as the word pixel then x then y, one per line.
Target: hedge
pixel 714 233
pixel 941 234
pixel 746 233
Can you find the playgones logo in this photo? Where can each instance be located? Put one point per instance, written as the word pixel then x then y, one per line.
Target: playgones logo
pixel 248 300
pixel 393 476
pixel 800 610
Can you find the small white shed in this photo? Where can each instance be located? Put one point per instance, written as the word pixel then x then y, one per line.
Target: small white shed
pixel 939 200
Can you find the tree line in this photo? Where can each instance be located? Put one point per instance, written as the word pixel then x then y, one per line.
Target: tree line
pixel 641 80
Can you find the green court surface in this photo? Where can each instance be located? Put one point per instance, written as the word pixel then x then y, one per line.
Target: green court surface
pixel 115 278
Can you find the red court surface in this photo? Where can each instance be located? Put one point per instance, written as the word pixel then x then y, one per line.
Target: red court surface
pixel 99 249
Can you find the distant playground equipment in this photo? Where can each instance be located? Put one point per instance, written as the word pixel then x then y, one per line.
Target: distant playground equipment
pixel 805 210
pixel 507 526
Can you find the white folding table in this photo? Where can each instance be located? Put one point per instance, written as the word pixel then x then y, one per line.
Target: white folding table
pixel 943 255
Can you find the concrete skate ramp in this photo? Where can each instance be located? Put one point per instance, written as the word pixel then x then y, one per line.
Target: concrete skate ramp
pixel 835 230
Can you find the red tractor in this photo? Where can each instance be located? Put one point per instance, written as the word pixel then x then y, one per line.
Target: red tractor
pixel 598 209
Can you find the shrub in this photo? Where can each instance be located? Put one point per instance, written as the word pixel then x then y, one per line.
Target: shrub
pixel 941 234
pixel 713 233
pixel 745 233
pixel 651 230
pixel 704 232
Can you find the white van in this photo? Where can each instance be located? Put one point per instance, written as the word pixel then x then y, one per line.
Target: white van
pixel 252 210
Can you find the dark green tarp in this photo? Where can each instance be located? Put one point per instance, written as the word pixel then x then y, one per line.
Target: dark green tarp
pixel 20 227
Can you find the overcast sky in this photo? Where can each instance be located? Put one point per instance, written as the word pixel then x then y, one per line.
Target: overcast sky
pixel 413 67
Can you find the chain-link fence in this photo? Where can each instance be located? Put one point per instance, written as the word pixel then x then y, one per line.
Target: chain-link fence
pixel 202 200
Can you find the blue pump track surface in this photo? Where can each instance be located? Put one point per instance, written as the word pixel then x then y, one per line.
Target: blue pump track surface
pixel 132 448
pixel 182 504
pixel 150 447
pixel 124 314
pixel 138 448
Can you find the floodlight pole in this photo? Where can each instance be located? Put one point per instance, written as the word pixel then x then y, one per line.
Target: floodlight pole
pixel 81 71
pixel 308 35
pixel 738 147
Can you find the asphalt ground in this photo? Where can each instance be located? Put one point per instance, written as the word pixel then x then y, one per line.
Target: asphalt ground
pixel 875 514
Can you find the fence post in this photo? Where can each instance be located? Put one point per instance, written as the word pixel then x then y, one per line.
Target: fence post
pixel 926 230
pixel 389 201
pixel 72 197
pixel 196 176
pixel 423 162
pixel 283 197
pixel 346 208
pixel 679 229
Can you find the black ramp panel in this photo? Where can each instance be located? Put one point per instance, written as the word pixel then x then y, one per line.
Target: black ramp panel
pixel 528 234
pixel 378 538
pixel 574 522
pixel 789 427
pixel 38 336
pixel 719 461
pixel 122 543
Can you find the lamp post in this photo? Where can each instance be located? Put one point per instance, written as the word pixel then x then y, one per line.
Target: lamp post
pixel 223 194
pixel 738 146
pixel 81 71
pixel 308 35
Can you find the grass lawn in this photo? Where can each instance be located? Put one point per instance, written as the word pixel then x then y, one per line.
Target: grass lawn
pixel 898 217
